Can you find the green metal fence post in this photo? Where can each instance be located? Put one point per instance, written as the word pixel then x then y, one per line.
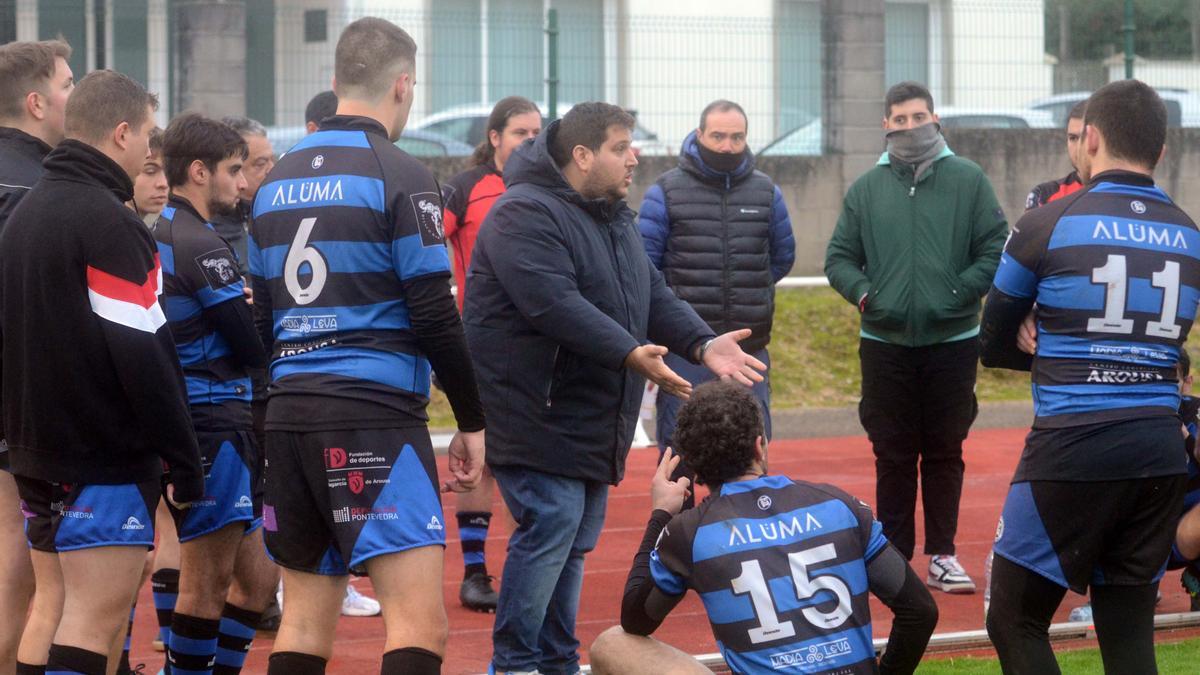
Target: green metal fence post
pixel 1128 28
pixel 552 65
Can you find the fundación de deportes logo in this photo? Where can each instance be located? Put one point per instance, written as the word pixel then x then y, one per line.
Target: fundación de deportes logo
pixel 335 458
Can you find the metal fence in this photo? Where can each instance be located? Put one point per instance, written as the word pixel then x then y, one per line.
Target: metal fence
pixel 665 59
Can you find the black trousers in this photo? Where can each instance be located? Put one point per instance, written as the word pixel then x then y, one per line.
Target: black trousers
pixel 917 405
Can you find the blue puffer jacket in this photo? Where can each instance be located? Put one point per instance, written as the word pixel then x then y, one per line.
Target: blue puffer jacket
pixel 561 292
pixel 722 240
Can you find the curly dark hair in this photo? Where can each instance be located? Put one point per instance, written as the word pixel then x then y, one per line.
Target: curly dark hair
pixel 716 430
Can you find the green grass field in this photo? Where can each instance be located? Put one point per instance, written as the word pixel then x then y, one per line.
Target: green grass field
pixel 1176 658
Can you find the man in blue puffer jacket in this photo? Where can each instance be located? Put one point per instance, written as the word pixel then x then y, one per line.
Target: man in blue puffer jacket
pixel 719 231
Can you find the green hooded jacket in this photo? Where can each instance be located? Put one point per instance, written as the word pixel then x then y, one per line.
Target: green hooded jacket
pixel 923 252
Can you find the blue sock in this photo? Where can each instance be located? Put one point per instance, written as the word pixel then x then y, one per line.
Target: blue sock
pixel 233 642
pixel 472 532
pixel 165 584
pixel 193 648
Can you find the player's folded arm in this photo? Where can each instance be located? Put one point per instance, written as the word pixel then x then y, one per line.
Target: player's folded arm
pixel 893 581
pixel 234 320
pixel 645 604
pixel 532 262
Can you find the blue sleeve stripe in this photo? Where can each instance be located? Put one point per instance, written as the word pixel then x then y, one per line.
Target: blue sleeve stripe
pixel 1055 346
pixel 1104 230
pixel 877 542
pixel 201 350
pixel 1014 279
pixel 166 257
pixel 1078 292
pixel 341 257
pixel 748 534
pixel 404 372
pixel 203 391
pixel 412 258
pixel 208 297
pixel 666 580
pixel 254 256
pixel 333 139
pixel 311 192
pixel 304 323
pixel 1084 398
pixel 1154 193
pixel 180 307
pixel 168 213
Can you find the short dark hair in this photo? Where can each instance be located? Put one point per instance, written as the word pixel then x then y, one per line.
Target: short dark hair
pixel 156 141
pixel 906 91
pixel 586 124
pixel 370 54
pixel 321 106
pixel 1132 118
pixel 498 122
pixel 26 67
pixel 721 105
pixel 193 136
pixel 1077 110
pixel 102 101
pixel 716 429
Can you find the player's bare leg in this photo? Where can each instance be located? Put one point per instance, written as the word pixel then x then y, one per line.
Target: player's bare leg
pixel 413 612
pixel 99 587
pixel 616 652
pixel 254 575
pixel 311 607
pixel 46 611
pixel 16 573
pixel 205 571
pixel 1187 535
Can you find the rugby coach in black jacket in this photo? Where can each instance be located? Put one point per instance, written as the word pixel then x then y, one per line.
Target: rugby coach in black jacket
pixel 565 318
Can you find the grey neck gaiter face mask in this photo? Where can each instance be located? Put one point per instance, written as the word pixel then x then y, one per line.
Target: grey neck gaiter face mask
pixel 917 147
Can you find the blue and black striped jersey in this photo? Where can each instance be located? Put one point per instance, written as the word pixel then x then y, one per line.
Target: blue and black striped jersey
pixel 781 568
pixel 200 272
pixel 1115 273
pixel 340 225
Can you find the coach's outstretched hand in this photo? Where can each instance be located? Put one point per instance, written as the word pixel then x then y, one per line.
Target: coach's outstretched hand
pixel 647 360
pixel 725 358
pixel 666 494
pixel 466 461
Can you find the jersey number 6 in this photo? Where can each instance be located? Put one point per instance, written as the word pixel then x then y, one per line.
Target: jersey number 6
pixel 300 253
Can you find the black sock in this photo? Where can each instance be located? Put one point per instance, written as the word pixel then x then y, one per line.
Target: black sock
pixel 64 660
pixel 411 661
pixel 165 584
pixel 472 533
pixel 233 642
pixel 295 663
pixel 193 647
pixel 28 669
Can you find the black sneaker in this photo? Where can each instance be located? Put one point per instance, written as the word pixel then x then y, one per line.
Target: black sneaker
pixel 476 593
pixel 271 616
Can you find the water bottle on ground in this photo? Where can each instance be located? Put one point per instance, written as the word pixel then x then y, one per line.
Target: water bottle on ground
pixel 987 584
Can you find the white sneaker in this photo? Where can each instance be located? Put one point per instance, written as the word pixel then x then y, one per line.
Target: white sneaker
pixel 945 574
pixel 357 604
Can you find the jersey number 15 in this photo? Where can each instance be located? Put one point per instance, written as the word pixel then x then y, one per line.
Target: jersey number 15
pixel 751 582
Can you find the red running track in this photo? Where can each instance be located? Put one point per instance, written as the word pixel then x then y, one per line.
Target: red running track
pixel 846 462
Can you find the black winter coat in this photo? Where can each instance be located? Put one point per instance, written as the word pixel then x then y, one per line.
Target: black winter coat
pixel 561 292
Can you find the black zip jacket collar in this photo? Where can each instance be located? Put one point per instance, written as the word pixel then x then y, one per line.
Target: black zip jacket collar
pixel 77 161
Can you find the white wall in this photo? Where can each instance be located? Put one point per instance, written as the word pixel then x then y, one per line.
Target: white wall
pixel 685 53
pixel 998 53
pixel 1176 74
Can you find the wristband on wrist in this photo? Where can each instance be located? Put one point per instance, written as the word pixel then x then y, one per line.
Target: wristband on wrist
pixel 704 348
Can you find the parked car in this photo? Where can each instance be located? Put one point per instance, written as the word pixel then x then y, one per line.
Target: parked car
pixel 468 124
pixel 1183 106
pixel 413 141
pixel 806 139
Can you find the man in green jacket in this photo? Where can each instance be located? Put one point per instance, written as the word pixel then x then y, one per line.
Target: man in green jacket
pixel 915 249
